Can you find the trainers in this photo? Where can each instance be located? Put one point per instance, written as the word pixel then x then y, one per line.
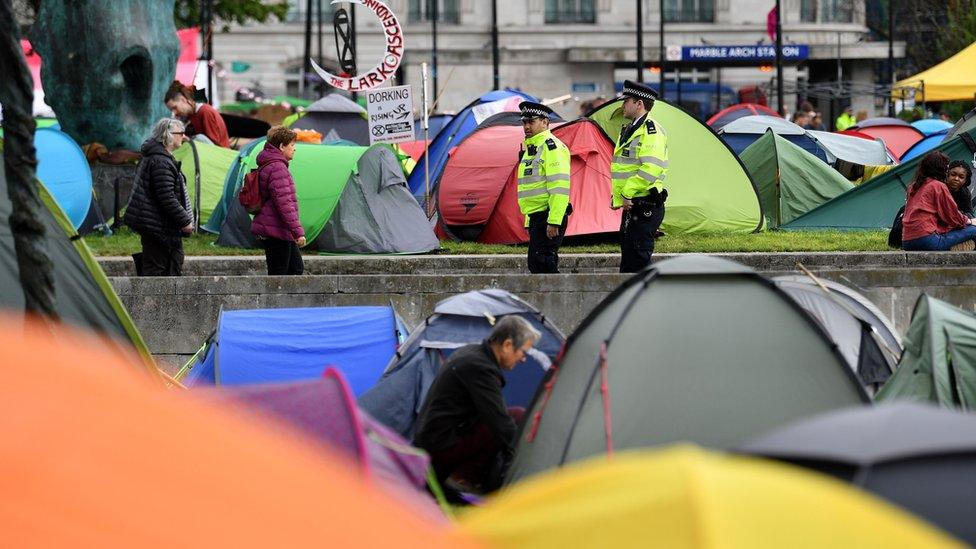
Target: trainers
pixel 964 246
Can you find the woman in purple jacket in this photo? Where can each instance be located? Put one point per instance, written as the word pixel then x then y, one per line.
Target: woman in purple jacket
pixel 276 225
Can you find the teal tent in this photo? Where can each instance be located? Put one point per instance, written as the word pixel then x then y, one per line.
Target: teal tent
pixel 790 180
pixel 873 204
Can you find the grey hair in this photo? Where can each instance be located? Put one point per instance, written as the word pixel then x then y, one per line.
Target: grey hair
pixel 515 328
pixel 162 130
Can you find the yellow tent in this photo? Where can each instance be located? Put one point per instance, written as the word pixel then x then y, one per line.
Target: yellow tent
pixel 951 80
pixel 685 497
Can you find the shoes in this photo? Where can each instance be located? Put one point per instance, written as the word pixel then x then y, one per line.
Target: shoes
pixel 964 246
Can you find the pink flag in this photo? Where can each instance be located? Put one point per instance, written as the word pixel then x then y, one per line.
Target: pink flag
pixel 771 24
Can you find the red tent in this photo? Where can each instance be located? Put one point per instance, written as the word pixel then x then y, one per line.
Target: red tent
pixel 898 138
pixel 414 148
pixel 737 111
pixel 476 194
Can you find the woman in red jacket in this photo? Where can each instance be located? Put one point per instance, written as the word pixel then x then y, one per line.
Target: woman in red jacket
pixel 932 219
pixel 201 118
pixel 276 225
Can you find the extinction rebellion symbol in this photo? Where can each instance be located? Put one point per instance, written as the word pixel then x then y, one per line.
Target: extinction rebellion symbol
pixel 387 65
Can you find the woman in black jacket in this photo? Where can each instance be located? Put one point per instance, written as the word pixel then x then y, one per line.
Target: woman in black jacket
pixel 160 207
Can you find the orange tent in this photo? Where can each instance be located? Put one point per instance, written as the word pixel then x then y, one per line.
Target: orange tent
pixel 94 454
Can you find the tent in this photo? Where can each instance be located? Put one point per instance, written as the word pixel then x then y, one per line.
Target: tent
pixel 276 345
pixel 325 410
pixel 476 193
pixel 350 200
pixel 205 167
pixel 863 334
pixel 852 148
pixel 336 117
pixel 930 126
pixel 921 458
pixel 737 111
pixel 874 203
pixel 95 456
pixel 791 181
pixel 83 296
pixel 457 321
pixel 683 497
pixel 457 129
pixel 743 132
pixel 716 195
pixel 435 123
pixel 939 362
pixel 898 135
pixel 232 180
pixel 927 143
pixel 950 80
pixel 696 349
pixel 963 125
pixel 64 171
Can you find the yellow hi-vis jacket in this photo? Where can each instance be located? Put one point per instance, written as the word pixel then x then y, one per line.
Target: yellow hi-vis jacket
pixel 640 163
pixel 845 121
pixel 543 177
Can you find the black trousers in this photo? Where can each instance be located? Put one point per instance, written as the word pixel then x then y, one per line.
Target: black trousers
pixel 283 257
pixel 637 229
pixel 160 256
pixel 543 254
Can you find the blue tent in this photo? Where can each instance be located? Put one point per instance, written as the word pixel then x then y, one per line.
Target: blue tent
pixel 930 126
pixel 927 143
pixel 457 321
pixel 278 345
pixel 457 129
pixel 745 131
pixel 64 170
pixel 435 124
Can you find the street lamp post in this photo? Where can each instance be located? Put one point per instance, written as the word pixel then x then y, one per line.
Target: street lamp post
pixel 433 42
pixel 496 77
pixel 891 54
pixel 640 40
pixel 660 45
pixel 779 60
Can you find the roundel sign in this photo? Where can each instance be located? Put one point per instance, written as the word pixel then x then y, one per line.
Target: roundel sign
pixel 392 56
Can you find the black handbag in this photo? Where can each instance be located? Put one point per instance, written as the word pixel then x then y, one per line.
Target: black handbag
pixel 894 237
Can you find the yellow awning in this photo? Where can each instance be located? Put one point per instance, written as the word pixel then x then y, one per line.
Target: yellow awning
pixel 951 80
pixel 687 498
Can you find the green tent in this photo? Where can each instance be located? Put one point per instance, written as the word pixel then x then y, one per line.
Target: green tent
pixel 791 181
pixel 873 204
pixel 709 190
pixel 939 361
pixel 210 163
pixel 350 199
pixel 696 349
pixel 83 296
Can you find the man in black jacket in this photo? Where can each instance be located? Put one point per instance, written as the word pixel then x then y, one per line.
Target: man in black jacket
pixel 464 423
pixel 159 209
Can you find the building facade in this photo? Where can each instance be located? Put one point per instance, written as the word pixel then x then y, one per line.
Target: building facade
pixel 586 48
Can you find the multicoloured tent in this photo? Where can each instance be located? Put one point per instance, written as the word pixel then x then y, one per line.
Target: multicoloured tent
pixel 790 180
pixel 745 131
pixel 275 345
pixel 931 126
pixel 457 321
pixel 716 195
pixel 929 142
pixel 696 349
pixel 737 111
pixel 457 129
pixel 350 200
pixel 873 204
pixel 898 135
pixel 476 193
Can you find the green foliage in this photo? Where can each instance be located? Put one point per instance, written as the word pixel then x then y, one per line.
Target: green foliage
pixel 960 27
pixel 911 115
pixel 187 12
pixel 956 109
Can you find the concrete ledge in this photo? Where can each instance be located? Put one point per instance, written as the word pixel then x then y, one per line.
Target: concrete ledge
pixel 515 264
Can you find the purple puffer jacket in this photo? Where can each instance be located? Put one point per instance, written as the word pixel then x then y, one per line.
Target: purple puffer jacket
pixel 278 217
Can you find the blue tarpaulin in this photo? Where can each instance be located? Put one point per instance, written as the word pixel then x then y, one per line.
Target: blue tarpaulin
pixel 278 345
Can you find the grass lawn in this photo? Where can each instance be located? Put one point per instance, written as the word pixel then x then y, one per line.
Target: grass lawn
pixel 125 242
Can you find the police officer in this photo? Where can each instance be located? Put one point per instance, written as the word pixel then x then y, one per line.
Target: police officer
pixel 543 188
pixel 638 169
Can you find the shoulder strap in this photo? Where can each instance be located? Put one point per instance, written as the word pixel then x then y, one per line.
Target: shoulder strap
pixel 551 144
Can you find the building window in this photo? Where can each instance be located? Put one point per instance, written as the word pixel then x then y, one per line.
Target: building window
pixel 836 11
pixel 808 11
pixel 689 11
pixel 447 11
pixel 296 11
pixel 570 11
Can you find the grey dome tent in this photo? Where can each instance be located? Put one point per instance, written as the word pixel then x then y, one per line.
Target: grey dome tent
pixel 457 321
pixel 865 337
pixel 336 117
pixel 696 349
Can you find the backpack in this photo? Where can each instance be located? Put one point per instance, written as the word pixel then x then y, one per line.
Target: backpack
pixel 894 237
pixel 250 195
